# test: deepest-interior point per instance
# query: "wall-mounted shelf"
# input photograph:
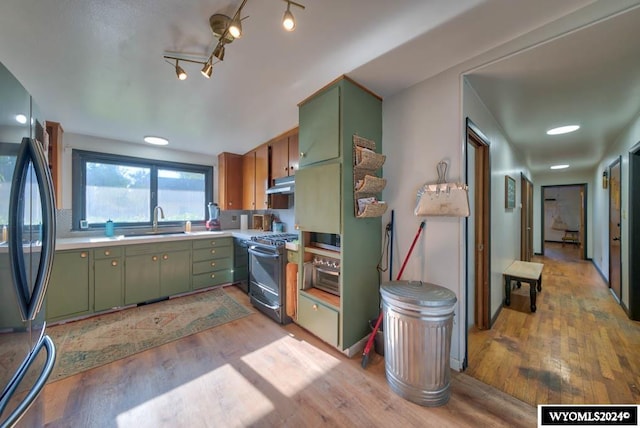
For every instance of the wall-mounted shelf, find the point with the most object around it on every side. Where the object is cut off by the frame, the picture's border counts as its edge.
(366, 183)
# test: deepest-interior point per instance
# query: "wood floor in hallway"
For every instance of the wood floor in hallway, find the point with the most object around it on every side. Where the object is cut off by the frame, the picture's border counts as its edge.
(578, 348)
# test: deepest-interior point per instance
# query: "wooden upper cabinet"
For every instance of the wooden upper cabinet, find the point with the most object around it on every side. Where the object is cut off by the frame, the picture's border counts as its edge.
(262, 177)
(249, 181)
(54, 155)
(230, 181)
(284, 155)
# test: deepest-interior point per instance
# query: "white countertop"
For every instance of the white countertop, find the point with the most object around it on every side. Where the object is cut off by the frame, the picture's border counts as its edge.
(104, 241)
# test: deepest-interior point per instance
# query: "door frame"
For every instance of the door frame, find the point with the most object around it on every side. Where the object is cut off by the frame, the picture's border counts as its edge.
(482, 222)
(633, 311)
(616, 162)
(585, 204)
(526, 233)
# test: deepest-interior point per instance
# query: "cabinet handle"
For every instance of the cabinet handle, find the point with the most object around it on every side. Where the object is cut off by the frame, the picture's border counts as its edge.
(84, 255)
(230, 203)
(213, 264)
(107, 253)
(213, 251)
(213, 275)
(314, 307)
(213, 243)
(285, 168)
(301, 154)
(165, 257)
(154, 258)
(291, 168)
(114, 263)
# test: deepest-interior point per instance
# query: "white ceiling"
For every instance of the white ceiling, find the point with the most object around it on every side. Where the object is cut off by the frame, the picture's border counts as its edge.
(97, 68)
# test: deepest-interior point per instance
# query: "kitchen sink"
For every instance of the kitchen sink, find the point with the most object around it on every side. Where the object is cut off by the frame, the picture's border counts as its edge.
(154, 233)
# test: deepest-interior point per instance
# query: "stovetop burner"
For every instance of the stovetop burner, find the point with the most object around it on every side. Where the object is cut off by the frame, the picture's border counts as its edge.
(275, 239)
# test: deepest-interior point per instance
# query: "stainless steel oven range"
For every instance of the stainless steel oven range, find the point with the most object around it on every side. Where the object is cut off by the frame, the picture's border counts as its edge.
(267, 282)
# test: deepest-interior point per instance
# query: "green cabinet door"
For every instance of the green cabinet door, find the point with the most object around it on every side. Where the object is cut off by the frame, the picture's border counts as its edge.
(318, 198)
(175, 272)
(142, 278)
(107, 284)
(69, 292)
(319, 137)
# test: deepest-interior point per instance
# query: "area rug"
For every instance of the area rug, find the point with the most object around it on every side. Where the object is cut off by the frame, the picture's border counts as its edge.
(92, 342)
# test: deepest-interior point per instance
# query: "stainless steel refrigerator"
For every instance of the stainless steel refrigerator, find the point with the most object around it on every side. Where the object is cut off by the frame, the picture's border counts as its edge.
(27, 219)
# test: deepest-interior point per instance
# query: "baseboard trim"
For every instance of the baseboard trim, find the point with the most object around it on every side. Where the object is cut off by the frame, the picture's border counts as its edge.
(604, 278)
(495, 317)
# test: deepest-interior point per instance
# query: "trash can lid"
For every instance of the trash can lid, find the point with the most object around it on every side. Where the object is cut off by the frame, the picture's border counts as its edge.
(419, 293)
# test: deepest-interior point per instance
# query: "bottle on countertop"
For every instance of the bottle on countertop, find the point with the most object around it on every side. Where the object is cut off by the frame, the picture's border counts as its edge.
(5, 233)
(108, 228)
(187, 226)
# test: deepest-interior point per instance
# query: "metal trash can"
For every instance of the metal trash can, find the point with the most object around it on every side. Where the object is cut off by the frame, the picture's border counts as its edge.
(418, 321)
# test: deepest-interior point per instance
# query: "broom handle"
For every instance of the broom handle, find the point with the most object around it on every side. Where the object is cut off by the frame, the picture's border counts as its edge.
(413, 244)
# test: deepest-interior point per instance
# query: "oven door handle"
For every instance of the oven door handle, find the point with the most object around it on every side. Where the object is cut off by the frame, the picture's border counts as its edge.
(327, 271)
(253, 250)
(266, 305)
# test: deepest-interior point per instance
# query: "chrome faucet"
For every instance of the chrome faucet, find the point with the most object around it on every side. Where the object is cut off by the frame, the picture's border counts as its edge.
(155, 217)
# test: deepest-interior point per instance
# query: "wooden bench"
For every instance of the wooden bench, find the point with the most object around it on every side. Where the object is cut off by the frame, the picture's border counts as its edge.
(571, 237)
(528, 272)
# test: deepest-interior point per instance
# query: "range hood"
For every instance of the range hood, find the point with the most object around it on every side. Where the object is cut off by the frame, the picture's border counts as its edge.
(282, 186)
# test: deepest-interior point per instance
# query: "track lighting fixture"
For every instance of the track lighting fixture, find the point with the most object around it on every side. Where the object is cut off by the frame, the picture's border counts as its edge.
(226, 29)
(288, 21)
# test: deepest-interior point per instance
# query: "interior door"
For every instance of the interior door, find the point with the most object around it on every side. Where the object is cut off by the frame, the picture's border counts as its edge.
(615, 263)
(478, 243)
(526, 219)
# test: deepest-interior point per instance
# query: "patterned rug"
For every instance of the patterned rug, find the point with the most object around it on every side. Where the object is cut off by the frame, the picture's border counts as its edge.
(92, 342)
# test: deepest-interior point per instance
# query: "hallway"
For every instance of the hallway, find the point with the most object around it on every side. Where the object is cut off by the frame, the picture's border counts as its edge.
(579, 347)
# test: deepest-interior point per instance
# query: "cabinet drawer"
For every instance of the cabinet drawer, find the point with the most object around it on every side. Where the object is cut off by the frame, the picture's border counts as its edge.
(212, 265)
(107, 253)
(215, 242)
(318, 319)
(212, 278)
(212, 253)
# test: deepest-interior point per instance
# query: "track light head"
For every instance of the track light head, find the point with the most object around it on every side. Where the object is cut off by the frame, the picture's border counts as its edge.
(235, 27)
(207, 69)
(182, 75)
(218, 52)
(288, 21)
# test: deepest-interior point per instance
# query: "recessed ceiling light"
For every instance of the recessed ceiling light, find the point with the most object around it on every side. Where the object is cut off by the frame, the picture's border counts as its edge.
(559, 166)
(563, 129)
(21, 118)
(158, 141)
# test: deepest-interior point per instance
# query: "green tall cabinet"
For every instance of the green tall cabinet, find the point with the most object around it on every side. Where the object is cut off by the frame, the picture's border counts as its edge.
(325, 202)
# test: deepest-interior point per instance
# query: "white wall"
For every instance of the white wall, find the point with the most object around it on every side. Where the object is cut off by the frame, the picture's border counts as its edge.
(505, 223)
(620, 147)
(96, 144)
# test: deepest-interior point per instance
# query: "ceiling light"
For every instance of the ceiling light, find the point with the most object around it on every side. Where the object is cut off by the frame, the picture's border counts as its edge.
(207, 70)
(288, 21)
(158, 141)
(560, 166)
(21, 118)
(180, 72)
(235, 28)
(563, 129)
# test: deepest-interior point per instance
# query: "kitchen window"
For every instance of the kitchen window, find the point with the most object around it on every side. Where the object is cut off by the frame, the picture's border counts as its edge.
(126, 190)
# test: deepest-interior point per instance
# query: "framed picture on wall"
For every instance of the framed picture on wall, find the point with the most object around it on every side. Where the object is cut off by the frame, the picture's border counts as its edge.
(509, 192)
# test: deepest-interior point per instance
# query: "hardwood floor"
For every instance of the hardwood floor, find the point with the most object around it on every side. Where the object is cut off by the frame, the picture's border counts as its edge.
(253, 372)
(579, 347)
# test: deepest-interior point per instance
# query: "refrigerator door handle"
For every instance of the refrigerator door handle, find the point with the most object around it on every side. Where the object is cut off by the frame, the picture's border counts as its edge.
(24, 405)
(30, 303)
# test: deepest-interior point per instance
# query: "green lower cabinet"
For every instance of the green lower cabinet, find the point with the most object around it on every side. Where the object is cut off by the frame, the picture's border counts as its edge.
(107, 284)
(319, 319)
(142, 278)
(175, 272)
(69, 293)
